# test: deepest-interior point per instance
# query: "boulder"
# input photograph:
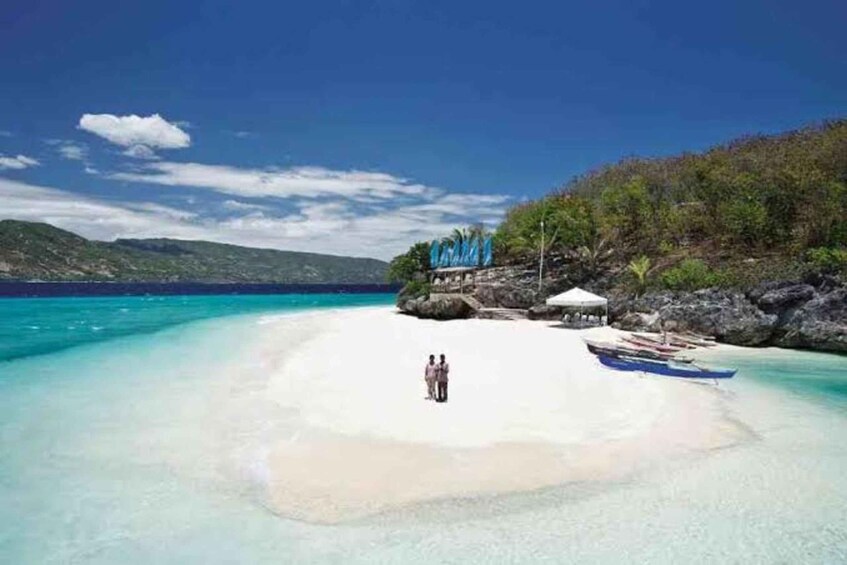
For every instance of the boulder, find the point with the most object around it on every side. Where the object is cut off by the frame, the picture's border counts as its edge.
(727, 315)
(544, 312)
(638, 322)
(496, 295)
(621, 304)
(437, 308)
(773, 301)
(819, 323)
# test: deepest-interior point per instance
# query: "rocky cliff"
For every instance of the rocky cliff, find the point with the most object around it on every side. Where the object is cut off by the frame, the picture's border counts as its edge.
(809, 314)
(784, 314)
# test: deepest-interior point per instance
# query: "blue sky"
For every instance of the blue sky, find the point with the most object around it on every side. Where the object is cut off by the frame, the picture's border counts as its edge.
(360, 127)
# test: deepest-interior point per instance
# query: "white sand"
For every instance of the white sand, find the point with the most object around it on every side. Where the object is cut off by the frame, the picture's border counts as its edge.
(529, 407)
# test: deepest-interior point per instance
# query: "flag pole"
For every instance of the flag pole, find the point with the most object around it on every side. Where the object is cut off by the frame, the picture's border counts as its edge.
(541, 262)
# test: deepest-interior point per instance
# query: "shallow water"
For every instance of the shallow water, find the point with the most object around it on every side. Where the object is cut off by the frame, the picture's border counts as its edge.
(140, 447)
(35, 326)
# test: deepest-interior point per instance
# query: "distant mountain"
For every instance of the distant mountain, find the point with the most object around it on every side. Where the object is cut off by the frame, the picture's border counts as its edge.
(37, 251)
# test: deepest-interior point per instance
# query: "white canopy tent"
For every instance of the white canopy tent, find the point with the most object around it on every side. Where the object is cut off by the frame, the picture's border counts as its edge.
(579, 299)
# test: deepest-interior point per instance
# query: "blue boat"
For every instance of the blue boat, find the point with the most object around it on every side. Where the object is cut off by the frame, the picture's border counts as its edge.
(668, 369)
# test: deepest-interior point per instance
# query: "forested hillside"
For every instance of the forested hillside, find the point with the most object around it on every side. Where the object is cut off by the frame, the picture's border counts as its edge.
(35, 251)
(754, 209)
(757, 207)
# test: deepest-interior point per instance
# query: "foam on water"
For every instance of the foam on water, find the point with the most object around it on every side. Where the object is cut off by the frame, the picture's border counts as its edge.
(149, 448)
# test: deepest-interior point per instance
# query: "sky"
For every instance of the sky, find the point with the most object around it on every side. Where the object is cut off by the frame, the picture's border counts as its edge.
(360, 127)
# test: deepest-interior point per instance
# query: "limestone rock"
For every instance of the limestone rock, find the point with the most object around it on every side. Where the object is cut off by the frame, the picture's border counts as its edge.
(437, 308)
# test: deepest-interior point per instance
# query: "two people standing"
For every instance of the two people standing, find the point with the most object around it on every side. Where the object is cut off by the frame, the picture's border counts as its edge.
(436, 376)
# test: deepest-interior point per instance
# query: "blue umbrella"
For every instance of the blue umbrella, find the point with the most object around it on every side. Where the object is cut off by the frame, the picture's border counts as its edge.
(433, 254)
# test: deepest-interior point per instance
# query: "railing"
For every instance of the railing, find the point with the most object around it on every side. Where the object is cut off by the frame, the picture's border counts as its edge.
(452, 283)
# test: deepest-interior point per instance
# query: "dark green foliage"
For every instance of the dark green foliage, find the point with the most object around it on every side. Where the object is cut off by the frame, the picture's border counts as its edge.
(761, 197)
(639, 269)
(783, 190)
(410, 265)
(569, 223)
(33, 251)
(827, 260)
(414, 289)
(692, 274)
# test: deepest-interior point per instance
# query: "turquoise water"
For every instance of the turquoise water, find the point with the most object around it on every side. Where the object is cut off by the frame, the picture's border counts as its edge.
(816, 376)
(35, 326)
(137, 443)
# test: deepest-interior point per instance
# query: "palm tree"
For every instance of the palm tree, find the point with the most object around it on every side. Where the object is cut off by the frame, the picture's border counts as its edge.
(592, 256)
(477, 231)
(459, 235)
(640, 268)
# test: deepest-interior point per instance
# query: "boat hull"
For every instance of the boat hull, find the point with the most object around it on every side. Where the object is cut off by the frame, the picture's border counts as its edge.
(663, 348)
(660, 368)
(617, 351)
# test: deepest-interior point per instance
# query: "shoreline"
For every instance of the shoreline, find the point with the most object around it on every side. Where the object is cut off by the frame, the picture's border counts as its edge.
(362, 448)
(194, 451)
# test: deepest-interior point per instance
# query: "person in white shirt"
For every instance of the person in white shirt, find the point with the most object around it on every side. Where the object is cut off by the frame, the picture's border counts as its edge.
(430, 376)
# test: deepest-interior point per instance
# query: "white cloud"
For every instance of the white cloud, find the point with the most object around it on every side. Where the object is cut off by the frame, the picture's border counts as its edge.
(17, 163)
(86, 216)
(139, 134)
(239, 206)
(140, 152)
(73, 151)
(331, 225)
(295, 181)
(5, 133)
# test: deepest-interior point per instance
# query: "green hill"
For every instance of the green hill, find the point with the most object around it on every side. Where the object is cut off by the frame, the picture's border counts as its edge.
(757, 208)
(760, 208)
(36, 251)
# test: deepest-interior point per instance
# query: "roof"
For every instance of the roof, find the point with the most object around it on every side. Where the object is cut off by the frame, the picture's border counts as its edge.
(577, 297)
(452, 269)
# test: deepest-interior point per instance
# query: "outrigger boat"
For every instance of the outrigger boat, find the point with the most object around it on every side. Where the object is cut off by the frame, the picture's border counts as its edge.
(666, 339)
(695, 340)
(620, 350)
(695, 335)
(666, 368)
(649, 344)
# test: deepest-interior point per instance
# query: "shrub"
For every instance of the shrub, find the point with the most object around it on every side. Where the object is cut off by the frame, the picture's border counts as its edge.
(692, 274)
(410, 265)
(639, 268)
(569, 222)
(414, 289)
(828, 260)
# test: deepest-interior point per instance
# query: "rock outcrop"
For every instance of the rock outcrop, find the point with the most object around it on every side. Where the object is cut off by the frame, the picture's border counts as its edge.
(729, 316)
(544, 312)
(796, 315)
(817, 323)
(436, 307)
(810, 314)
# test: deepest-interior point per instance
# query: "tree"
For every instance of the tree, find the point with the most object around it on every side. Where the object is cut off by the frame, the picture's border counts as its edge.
(569, 222)
(627, 211)
(411, 265)
(592, 256)
(640, 268)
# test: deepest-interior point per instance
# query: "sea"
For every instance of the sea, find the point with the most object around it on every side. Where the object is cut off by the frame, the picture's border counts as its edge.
(119, 434)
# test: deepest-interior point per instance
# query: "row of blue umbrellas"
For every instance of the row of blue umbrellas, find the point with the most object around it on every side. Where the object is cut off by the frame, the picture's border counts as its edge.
(464, 253)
